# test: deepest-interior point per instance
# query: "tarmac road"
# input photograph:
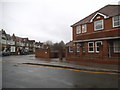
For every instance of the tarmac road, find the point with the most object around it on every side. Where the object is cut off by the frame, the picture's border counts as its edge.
(30, 76)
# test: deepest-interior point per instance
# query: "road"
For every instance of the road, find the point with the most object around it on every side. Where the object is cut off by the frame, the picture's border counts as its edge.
(28, 76)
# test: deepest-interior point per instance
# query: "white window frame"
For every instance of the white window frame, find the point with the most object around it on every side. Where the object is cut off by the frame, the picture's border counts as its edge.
(89, 47)
(78, 29)
(96, 23)
(97, 46)
(113, 21)
(12, 49)
(70, 49)
(115, 47)
(85, 28)
(98, 13)
(78, 47)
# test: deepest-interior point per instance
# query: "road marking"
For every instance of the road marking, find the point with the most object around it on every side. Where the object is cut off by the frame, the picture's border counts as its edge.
(76, 70)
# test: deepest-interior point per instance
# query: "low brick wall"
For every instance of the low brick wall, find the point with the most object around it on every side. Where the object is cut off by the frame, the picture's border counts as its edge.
(96, 60)
(42, 53)
(54, 54)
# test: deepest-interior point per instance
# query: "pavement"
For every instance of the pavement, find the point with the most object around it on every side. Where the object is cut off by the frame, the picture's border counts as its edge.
(89, 66)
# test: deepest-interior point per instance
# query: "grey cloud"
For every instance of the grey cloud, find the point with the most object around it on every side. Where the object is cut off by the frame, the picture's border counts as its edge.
(44, 20)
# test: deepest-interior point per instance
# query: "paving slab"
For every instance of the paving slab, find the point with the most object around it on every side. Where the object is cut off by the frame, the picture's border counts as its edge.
(99, 67)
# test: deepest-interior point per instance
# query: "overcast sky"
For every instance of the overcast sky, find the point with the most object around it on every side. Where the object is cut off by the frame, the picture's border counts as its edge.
(44, 20)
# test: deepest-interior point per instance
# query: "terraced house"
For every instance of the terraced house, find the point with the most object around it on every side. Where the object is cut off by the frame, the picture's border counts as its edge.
(15, 44)
(6, 41)
(96, 38)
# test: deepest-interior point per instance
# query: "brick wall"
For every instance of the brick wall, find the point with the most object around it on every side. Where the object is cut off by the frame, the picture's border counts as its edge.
(99, 34)
(101, 57)
(42, 53)
(46, 53)
(109, 31)
(96, 60)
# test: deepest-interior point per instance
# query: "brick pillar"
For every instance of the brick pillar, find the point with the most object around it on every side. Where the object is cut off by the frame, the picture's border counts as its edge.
(74, 51)
(66, 52)
(81, 51)
(49, 52)
(84, 49)
(101, 52)
(105, 49)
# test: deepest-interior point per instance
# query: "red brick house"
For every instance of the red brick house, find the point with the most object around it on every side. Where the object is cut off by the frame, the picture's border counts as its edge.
(38, 45)
(96, 38)
(7, 42)
(19, 45)
(23, 44)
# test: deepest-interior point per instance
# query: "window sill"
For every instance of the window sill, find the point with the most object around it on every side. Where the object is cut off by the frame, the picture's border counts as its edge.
(98, 29)
(116, 52)
(116, 26)
(90, 51)
(70, 51)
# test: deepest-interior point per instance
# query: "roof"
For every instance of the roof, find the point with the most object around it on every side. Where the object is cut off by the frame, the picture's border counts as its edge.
(108, 10)
(3, 31)
(31, 40)
(8, 37)
(69, 43)
(38, 43)
(16, 38)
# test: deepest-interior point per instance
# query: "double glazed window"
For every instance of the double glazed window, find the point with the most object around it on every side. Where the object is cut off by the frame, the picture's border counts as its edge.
(84, 29)
(81, 29)
(70, 49)
(116, 46)
(78, 29)
(91, 47)
(78, 47)
(98, 25)
(98, 44)
(116, 21)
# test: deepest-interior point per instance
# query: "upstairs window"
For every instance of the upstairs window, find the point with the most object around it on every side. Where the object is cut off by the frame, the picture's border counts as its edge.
(98, 25)
(78, 29)
(84, 29)
(91, 47)
(116, 21)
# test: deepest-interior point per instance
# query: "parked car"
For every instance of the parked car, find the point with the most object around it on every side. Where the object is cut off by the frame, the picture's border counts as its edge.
(24, 52)
(5, 53)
